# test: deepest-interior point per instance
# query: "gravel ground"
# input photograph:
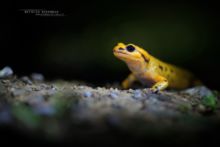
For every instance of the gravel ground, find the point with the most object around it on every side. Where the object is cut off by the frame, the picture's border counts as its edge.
(72, 112)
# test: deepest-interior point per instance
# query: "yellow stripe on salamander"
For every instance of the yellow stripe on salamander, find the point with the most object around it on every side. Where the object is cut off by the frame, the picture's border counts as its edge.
(151, 71)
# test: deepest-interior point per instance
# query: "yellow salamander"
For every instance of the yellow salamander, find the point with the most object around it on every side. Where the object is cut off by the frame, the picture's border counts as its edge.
(151, 71)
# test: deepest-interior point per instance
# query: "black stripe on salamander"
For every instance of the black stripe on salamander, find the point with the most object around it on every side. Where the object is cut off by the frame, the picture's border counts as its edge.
(145, 59)
(161, 67)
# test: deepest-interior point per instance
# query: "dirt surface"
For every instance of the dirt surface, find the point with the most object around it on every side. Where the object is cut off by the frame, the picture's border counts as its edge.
(73, 112)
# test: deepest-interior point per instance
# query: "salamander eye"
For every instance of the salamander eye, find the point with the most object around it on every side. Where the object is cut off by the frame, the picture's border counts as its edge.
(130, 48)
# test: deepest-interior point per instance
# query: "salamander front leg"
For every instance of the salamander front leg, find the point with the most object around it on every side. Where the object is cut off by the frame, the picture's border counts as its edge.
(160, 85)
(128, 81)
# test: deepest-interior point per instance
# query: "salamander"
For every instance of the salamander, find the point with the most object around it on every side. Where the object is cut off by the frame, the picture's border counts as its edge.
(150, 71)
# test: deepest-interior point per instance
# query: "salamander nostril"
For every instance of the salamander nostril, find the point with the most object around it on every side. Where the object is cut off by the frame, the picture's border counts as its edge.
(121, 49)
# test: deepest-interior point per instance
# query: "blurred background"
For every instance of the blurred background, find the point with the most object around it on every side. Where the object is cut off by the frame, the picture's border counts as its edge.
(77, 44)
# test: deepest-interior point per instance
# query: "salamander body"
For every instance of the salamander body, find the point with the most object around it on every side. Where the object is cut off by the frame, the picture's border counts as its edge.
(151, 71)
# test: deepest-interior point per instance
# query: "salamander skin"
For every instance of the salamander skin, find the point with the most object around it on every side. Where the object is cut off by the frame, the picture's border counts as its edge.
(151, 71)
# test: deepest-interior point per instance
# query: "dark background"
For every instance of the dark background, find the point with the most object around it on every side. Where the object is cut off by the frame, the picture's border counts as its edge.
(78, 45)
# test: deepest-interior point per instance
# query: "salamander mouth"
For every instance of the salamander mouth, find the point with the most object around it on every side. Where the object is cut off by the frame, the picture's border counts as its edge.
(119, 52)
(124, 56)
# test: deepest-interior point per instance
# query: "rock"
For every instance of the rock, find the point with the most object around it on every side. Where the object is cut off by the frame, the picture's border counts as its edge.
(87, 94)
(130, 90)
(26, 80)
(113, 95)
(37, 77)
(6, 72)
(84, 109)
(200, 91)
(137, 94)
(52, 91)
(17, 92)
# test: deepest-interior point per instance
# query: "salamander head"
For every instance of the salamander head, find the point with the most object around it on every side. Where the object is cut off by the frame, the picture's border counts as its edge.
(131, 53)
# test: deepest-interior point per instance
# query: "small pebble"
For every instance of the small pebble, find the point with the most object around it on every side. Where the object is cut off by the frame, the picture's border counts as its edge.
(81, 87)
(99, 88)
(6, 72)
(26, 80)
(152, 101)
(17, 92)
(146, 90)
(5, 81)
(87, 94)
(36, 89)
(54, 88)
(113, 95)
(111, 89)
(37, 77)
(45, 86)
(201, 108)
(52, 91)
(137, 94)
(74, 87)
(130, 90)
